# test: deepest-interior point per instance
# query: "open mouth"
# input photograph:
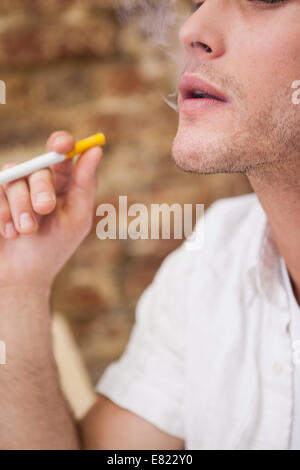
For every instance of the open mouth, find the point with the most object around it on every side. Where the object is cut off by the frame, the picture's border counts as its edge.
(200, 95)
(192, 87)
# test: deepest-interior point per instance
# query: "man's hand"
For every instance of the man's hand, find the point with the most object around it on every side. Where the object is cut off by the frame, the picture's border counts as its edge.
(43, 218)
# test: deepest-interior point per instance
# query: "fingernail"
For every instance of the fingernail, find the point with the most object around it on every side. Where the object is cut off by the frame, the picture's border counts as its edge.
(10, 230)
(60, 140)
(26, 221)
(41, 198)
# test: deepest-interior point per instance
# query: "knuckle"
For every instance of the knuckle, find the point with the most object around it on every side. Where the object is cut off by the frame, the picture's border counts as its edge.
(20, 202)
(19, 197)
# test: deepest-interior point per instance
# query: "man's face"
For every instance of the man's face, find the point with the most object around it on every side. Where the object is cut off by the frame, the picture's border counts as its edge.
(249, 50)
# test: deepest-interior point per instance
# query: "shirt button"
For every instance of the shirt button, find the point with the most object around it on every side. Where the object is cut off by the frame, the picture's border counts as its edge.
(277, 368)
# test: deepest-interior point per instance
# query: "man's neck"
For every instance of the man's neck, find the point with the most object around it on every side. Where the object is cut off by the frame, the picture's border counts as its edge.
(279, 195)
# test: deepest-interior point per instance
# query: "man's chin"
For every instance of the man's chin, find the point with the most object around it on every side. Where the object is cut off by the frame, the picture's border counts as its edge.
(209, 157)
(195, 156)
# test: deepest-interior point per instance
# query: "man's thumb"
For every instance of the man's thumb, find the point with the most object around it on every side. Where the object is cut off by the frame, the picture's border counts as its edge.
(81, 194)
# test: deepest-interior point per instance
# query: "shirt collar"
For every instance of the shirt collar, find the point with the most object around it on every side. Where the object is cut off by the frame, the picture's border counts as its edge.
(265, 267)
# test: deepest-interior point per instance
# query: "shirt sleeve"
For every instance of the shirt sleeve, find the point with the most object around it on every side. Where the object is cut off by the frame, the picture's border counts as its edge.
(148, 380)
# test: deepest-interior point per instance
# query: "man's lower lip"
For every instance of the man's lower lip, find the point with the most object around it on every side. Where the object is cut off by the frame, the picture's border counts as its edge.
(196, 106)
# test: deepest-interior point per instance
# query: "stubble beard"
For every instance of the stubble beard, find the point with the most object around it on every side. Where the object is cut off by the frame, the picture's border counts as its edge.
(264, 144)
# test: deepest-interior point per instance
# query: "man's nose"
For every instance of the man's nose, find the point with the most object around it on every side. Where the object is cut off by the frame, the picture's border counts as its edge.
(203, 33)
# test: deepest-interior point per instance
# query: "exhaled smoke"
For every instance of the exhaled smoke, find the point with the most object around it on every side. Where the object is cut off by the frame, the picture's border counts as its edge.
(171, 101)
(159, 21)
(156, 17)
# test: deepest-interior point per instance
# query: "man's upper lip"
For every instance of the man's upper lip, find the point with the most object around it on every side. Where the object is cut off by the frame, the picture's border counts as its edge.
(188, 83)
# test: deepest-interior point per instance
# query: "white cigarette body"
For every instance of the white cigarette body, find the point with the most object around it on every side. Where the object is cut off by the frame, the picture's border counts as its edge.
(26, 168)
(50, 158)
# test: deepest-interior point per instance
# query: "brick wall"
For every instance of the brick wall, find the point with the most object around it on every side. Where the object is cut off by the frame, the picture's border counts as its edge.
(68, 64)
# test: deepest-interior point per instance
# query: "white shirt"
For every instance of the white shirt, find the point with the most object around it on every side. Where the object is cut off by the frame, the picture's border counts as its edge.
(211, 359)
(295, 335)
